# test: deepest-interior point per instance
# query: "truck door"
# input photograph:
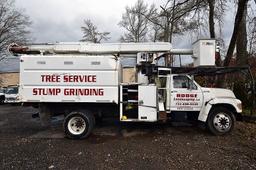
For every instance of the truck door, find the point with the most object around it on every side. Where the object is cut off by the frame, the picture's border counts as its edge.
(185, 94)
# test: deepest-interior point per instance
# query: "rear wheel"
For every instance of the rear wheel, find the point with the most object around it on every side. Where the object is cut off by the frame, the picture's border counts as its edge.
(78, 124)
(220, 121)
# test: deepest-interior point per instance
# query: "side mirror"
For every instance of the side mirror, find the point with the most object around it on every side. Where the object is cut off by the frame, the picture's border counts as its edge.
(192, 77)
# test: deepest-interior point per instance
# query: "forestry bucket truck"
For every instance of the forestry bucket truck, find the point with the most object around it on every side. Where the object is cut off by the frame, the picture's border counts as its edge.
(84, 80)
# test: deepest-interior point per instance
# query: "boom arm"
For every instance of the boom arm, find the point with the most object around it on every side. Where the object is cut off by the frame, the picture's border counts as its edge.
(91, 48)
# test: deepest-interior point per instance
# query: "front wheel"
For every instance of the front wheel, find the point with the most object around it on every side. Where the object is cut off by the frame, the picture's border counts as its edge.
(78, 124)
(220, 121)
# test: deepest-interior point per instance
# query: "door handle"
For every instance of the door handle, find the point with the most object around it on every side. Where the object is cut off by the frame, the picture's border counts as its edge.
(174, 91)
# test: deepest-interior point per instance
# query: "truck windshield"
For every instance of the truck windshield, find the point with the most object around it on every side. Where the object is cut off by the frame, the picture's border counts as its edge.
(12, 90)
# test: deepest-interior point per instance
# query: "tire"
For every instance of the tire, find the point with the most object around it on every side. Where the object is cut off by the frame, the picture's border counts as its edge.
(78, 124)
(221, 121)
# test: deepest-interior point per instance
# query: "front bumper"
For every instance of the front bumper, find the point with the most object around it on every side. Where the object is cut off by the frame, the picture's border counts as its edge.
(11, 100)
(239, 107)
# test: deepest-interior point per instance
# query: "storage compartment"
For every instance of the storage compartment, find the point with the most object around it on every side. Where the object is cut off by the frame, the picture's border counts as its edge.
(129, 102)
(138, 103)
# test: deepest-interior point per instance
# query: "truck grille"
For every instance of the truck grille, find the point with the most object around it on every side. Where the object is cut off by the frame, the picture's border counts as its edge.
(11, 99)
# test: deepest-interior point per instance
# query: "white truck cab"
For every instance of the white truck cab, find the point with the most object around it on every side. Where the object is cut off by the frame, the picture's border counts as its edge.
(216, 106)
(84, 81)
(180, 100)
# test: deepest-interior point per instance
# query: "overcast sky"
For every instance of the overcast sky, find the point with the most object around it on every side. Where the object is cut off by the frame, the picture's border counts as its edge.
(60, 20)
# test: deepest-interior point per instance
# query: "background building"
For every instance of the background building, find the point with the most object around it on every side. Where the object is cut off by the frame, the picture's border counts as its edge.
(9, 78)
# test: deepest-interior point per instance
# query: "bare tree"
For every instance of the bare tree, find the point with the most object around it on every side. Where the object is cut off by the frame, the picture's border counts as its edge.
(135, 23)
(251, 23)
(155, 32)
(211, 4)
(216, 12)
(241, 43)
(238, 19)
(174, 17)
(252, 36)
(92, 34)
(14, 26)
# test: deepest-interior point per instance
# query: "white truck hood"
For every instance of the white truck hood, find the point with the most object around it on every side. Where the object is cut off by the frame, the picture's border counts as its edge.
(219, 92)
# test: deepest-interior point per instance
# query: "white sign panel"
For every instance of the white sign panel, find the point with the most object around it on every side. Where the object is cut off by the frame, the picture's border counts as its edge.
(62, 78)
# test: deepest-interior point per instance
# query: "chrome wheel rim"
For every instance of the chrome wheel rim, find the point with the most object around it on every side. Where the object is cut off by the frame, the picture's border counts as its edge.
(76, 125)
(222, 122)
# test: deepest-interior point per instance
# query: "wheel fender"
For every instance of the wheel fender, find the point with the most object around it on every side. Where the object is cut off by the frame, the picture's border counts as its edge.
(203, 115)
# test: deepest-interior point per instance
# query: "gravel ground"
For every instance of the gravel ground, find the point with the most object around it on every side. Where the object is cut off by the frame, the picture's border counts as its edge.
(24, 144)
